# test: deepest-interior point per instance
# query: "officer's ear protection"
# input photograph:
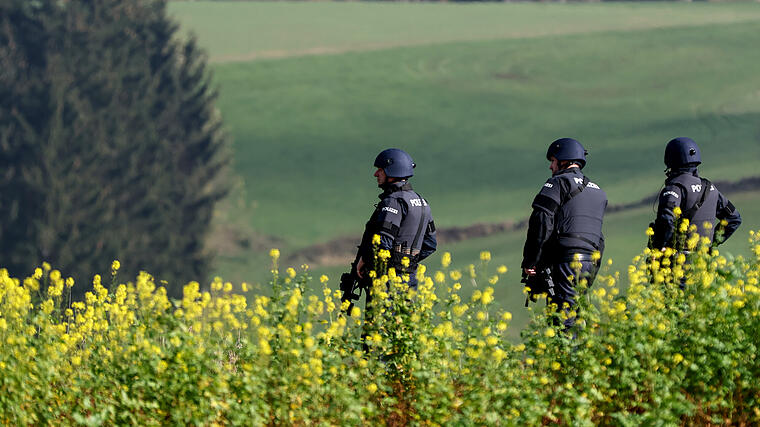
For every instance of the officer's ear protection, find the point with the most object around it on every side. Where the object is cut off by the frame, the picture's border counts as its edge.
(692, 151)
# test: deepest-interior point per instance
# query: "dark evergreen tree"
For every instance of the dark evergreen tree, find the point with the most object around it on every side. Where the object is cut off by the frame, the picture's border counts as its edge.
(113, 139)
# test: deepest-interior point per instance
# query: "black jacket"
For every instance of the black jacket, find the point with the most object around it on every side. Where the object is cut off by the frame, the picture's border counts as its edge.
(567, 219)
(404, 222)
(683, 188)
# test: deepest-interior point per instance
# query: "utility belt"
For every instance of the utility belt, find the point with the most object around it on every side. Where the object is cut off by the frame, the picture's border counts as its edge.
(399, 253)
(570, 257)
(404, 251)
(570, 254)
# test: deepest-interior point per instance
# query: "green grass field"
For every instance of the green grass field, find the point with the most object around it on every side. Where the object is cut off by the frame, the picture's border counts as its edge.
(475, 93)
(240, 31)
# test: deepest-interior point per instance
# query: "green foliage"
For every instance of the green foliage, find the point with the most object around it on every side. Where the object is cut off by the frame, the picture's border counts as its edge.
(109, 135)
(127, 354)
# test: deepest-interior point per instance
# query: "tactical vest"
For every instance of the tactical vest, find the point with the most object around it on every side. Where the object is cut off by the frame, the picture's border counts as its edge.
(578, 221)
(411, 231)
(693, 207)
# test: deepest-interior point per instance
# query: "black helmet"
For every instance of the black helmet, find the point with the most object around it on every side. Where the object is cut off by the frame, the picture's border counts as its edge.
(567, 149)
(395, 163)
(681, 152)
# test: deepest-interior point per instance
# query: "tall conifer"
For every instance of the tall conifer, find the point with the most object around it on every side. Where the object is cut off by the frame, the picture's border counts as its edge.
(112, 136)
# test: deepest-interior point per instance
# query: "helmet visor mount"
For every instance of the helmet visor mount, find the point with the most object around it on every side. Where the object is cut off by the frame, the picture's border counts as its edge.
(395, 163)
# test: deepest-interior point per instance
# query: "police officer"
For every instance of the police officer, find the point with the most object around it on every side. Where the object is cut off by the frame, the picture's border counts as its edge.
(402, 219)
(700, 202)
(565, 226)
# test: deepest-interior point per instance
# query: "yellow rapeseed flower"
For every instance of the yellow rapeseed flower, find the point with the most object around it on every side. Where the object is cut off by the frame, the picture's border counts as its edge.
(115, 265)
(439, 277)
(459, 310)
(502, 269)
(446, 260)
(376, 239)
(274, 254)
(487, 296)
(485, 256)
(550, 332)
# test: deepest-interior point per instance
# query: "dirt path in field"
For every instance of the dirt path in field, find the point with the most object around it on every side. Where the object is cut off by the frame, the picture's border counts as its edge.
(339, 251)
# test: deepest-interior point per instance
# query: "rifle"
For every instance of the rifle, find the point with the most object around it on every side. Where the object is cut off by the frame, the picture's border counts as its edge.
(351, 286)
(539, 283)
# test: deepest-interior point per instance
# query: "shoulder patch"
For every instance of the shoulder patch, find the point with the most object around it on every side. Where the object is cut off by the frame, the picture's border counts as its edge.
(548, 185)
(671, 193)
(592, 185)
(390, 209)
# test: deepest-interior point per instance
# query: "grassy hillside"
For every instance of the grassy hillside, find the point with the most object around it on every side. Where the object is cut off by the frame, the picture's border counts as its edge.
(239, 31)
(477, 118)
(476, 104)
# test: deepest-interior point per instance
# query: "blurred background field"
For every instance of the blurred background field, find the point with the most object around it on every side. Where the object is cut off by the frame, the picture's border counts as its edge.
(310, 92)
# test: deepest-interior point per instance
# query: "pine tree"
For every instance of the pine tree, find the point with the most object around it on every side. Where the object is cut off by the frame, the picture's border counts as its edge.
(128, 159)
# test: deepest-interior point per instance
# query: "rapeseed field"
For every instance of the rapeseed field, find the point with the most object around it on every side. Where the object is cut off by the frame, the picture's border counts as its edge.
(657, 353)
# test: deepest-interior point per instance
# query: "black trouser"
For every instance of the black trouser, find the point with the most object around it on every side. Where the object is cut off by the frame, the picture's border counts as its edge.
(564, 288)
